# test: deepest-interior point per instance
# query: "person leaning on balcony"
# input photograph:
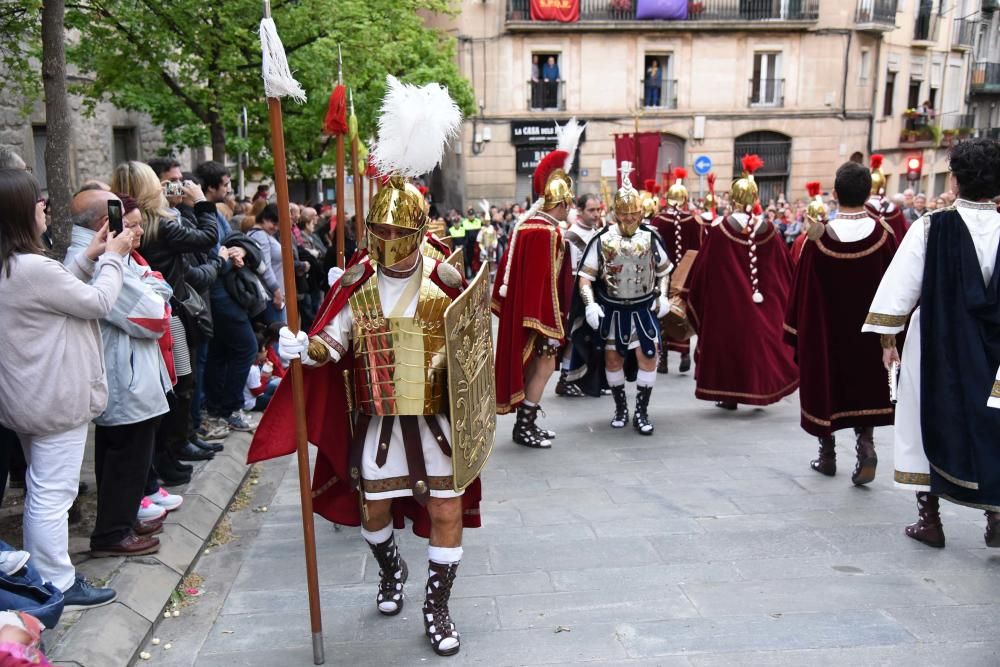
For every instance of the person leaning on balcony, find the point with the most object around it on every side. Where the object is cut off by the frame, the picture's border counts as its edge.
(550, 78)
(654, 83)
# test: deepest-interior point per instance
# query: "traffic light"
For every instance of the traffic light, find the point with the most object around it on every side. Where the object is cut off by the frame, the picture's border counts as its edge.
(914, 167)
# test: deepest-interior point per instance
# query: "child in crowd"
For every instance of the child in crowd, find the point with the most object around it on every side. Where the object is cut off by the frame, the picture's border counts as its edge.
(261, 381)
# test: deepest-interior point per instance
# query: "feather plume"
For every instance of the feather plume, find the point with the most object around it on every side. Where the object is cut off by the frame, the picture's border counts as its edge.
(813, 188)
(680, 173)
(415, 125)
(554, 160)
(751, 163)
(485, 206)
(567, 140)
(656, 188)
(757, 210)
(648, 184)
(278, 79)
(336, 112)
(711, 181)
(877, 159)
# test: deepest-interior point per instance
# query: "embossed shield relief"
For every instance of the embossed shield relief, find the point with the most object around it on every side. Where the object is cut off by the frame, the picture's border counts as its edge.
(471, 386)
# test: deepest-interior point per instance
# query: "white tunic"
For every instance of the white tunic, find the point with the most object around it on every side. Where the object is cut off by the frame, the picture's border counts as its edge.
(585, 233)
(849, 230)
(896, 298)
(395, 469)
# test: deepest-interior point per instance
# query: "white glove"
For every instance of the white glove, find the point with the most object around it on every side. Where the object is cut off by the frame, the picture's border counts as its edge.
(293, 346)
(662, 307)
(334, 275)
(594, 313)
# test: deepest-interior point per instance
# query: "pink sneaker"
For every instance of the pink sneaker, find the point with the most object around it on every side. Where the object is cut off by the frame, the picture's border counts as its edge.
(167, 501)
(149, 511)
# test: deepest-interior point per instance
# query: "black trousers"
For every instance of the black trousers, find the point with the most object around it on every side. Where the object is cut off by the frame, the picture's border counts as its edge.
(175, 427)
(10, 447)
(122, 455)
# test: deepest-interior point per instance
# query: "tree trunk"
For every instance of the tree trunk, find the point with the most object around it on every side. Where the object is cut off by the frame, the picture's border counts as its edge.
(59, 127)
(218, 137)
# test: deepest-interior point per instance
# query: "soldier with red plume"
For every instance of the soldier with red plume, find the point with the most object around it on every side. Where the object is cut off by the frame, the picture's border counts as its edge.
(881, 207)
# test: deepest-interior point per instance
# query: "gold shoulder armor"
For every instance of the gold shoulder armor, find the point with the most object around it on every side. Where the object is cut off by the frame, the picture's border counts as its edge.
(352, 275)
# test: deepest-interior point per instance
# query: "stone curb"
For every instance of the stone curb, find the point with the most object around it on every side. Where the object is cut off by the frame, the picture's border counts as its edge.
(112, 635)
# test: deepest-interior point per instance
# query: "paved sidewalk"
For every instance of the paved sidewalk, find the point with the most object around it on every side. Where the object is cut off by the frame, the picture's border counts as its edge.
(710, 543)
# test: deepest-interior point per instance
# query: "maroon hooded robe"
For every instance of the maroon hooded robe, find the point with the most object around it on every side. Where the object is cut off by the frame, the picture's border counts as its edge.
(667, 224)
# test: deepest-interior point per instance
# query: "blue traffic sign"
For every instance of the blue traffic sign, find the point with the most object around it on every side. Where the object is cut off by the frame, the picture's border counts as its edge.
(702, 165)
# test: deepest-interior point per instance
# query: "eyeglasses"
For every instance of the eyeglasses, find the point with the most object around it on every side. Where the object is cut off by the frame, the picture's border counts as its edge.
(45, 202)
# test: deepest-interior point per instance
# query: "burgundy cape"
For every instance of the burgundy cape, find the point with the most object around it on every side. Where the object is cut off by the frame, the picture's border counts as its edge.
(666, 224)
(843, 382)
(328, 427)
(533, 305)
(740, 357)
(891, 216)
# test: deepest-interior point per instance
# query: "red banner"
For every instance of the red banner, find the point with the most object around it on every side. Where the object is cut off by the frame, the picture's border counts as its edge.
(566, 11)
(643, 151)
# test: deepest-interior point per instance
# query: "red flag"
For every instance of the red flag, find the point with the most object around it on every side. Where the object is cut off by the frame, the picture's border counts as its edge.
(336, 114)
(566, 11)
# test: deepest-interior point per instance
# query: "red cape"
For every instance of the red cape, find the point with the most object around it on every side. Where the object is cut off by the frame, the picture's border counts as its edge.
(533, 304)
(691, 235)
(893, 218)
(328, 427)
(843, 383)
(740, 356)
(797, 246)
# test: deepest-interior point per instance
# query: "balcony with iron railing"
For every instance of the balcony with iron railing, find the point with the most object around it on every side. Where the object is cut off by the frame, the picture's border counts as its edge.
(706, 14)
(927, 129)
(963, 35)
(876, 15)
(925, 29)
(767, 93)
(985, 78)
(546, 95)
(661, 96)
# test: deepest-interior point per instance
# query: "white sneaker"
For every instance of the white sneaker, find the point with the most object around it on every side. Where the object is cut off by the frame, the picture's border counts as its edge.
(168, 501)
(148, 511)
(11, 562)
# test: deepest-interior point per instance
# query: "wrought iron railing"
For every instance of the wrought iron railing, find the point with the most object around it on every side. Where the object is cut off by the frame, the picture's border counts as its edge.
(767, 93)
(881, 12)
(546, 95)
(662, 96)
(696, 10)
(986, 77)
(964, 33)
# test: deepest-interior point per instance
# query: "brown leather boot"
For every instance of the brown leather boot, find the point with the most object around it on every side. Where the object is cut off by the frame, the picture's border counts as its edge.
(864, 469)
(661, 364)
(685, 363)
(992, 535)
(928, 528)
(826, 463)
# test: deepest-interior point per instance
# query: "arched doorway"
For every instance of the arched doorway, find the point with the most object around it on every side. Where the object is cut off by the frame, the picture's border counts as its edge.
(775, 149)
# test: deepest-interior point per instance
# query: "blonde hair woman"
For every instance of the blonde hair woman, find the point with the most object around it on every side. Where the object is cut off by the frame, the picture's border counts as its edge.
(139, 181)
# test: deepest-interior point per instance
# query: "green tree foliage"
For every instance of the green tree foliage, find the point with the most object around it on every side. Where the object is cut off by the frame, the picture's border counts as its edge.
(21, 49)
(192, 65)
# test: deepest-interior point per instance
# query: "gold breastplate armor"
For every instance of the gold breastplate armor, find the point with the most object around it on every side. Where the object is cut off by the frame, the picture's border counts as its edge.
(401, 366)
(628, 264)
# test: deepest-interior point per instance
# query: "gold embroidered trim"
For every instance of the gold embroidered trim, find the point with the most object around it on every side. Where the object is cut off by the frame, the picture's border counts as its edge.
(791, 330)
(848, 413)
(956, 481)
(403, 483)
(988, 508)
(767, 237)
(326, 487)
(913, 478)
(736, 394)
(852, 255)
(884, 320)
(334, 345)
(996, 390)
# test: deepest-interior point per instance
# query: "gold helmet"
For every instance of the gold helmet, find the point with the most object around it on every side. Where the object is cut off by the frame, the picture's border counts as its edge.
(744, 191)
(878, 177)
(558, 189)
(551, 181)
(396, 222)
(397, 219)
(627, 199)
(816, 211)
(677, 194)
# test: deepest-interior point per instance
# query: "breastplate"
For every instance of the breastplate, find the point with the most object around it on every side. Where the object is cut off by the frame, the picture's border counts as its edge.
(400, 362)
(628, 266)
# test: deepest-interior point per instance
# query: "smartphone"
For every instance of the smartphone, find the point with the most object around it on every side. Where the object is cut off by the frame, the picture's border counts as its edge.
(115, 217)
(173, 189)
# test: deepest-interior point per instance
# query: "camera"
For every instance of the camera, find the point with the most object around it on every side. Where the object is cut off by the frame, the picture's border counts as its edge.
(173, 189)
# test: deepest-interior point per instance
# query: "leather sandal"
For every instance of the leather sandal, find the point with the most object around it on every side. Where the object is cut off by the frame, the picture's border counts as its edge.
(864, 469)
(928, 528)
(826, 462)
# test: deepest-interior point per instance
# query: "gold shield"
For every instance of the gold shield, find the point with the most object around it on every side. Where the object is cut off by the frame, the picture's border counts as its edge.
(471, 388)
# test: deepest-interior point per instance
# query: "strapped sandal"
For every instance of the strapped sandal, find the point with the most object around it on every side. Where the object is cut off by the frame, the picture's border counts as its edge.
(640, 422)
(438, 626)
(928, 528)
(620, 418)
(525, 431)
(392, 575)
(826, 463)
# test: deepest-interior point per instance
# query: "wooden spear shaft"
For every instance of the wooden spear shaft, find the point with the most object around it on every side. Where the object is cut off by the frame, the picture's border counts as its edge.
(340, 200)
(359, 192)
(298, 392)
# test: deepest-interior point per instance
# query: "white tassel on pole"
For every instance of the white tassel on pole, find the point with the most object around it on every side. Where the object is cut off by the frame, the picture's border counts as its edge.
(278, 79)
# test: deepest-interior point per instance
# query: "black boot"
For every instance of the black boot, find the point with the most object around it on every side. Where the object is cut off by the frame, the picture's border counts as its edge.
(661, 364)
(525, 431)
(928, 528)
(566, 388)
(392, 575)
(621, 407)
(685, 363)
(641, 421)
(864, 469)
(438, 626)
(826, 463)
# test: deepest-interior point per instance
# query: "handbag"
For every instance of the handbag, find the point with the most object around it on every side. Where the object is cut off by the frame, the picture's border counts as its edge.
(196, 312)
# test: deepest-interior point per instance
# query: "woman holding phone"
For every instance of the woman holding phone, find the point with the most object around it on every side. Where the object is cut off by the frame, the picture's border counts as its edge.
(50, 318)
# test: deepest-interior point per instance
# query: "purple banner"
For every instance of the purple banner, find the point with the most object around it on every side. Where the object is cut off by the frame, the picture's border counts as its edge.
(662, 10)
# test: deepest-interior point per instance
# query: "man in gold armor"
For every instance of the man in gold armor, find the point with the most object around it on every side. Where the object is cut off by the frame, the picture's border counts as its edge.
(383, 328)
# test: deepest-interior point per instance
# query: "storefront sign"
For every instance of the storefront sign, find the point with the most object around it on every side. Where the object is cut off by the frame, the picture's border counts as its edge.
(525, 132)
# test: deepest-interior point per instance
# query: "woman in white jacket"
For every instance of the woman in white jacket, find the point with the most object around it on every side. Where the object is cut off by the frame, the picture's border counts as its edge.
(52, 380)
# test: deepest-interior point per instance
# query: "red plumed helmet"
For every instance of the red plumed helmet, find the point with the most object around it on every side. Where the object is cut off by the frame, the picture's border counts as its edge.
(554, 160)
(711, 180)
(877, 160)
(649, 184)
(680, 173)
(751, 163)
(656, 189)
(422, 189)
(757, 210)
(813, 188)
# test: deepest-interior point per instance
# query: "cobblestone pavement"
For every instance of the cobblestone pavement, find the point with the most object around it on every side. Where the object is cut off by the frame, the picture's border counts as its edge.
(710, 543)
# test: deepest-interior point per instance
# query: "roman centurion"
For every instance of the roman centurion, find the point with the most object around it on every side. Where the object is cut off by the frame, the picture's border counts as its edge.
(398, 377)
